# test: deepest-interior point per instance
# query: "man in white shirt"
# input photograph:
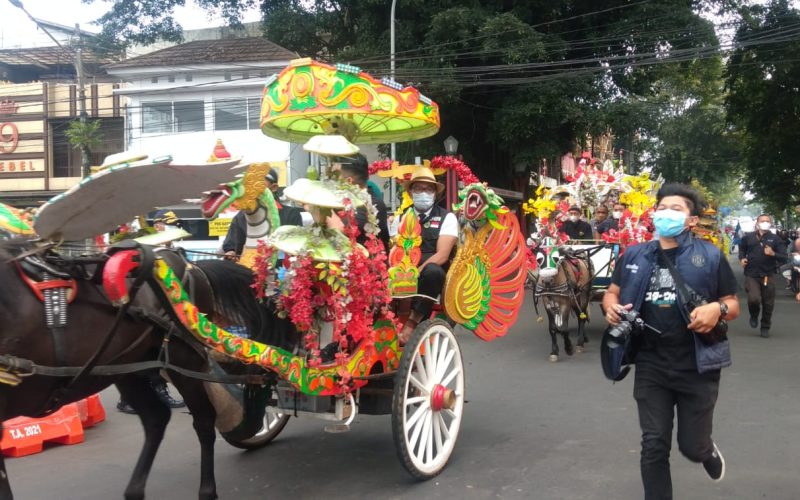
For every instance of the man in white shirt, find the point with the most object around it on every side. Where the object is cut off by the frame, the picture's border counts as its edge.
(439, 237)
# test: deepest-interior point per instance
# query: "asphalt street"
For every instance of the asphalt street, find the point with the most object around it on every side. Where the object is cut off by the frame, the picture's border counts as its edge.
(531, 429)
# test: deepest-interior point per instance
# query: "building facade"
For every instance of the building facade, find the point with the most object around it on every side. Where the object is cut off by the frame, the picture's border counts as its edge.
(39, 97)
(181, 99)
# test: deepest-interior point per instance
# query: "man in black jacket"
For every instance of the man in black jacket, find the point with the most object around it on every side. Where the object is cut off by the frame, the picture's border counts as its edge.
(575, 228)
(760, 253)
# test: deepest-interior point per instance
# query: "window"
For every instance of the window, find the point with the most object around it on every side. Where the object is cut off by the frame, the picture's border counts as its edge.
(189, 116)
(171, 78)
(230, 114)
(67, 160)
(154, 79)
(157, 117)
(169, 117)
(254, 112)
(237, 114)
(188, 77)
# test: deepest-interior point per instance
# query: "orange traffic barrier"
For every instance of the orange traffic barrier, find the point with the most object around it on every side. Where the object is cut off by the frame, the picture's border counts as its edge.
(91, 411)
(26, 436)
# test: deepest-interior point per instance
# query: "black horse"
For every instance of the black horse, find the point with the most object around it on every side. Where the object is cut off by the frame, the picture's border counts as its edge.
(141, 334)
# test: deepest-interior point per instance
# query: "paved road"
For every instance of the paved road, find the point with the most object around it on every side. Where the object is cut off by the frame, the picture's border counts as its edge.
(532, 429)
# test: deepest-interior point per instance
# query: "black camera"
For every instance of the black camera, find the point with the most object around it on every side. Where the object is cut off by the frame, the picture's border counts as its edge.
(630, 322)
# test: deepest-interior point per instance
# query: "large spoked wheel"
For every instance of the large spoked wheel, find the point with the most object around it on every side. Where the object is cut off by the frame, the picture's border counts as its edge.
(428, 400)
(274, 423)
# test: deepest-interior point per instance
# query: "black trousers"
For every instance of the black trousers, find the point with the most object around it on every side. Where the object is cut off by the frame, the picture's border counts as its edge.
(658, 391)
(761, 297)
(430, 283)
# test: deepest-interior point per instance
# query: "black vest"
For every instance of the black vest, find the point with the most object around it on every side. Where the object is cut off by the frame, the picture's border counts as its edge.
(431, 226)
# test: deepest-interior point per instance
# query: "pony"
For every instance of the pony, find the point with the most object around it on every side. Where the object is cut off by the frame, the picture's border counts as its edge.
(563, 283)
(97, 331)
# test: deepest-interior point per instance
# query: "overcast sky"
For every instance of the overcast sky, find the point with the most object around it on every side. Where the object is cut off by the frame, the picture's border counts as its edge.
(17, 30)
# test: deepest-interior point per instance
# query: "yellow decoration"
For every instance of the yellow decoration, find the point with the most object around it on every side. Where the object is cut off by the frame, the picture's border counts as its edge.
(254, 183)
(641, 196)
(542, 206)
(404, 257)
(464, 293)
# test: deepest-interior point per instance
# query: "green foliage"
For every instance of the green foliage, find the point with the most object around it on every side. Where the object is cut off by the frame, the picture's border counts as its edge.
(516, 81)
(80, 134)
(764, 102)
(698, 144)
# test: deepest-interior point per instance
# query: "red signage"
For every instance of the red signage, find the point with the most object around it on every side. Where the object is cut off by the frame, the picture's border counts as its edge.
(9, 137)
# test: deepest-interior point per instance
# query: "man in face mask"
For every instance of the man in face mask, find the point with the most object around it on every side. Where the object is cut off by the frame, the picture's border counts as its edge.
(760, 253)
(679, 366)
(613, 222)
(439, 236)
(600, 215)
(574, 227)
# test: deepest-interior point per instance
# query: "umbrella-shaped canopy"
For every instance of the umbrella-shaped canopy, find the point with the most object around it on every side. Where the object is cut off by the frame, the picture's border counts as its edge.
(310, 98)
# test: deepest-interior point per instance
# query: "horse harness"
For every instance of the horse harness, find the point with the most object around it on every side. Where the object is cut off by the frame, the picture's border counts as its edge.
(56, 288)
(568, 289)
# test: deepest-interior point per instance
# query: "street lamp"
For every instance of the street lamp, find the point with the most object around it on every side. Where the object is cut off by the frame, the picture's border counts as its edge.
(451, 146)
(451, 180)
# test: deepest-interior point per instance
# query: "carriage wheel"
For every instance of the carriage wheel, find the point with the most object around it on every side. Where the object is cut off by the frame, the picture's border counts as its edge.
(274, 423)
(428, 400)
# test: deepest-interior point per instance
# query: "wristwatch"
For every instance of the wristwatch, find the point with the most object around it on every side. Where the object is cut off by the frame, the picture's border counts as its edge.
(723, 310)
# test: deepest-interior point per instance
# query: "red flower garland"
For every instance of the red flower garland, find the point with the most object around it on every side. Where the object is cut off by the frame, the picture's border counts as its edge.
(463, 172)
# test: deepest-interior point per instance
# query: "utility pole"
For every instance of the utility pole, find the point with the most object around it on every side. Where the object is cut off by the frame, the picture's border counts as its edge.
(78, 62)
(82, 116)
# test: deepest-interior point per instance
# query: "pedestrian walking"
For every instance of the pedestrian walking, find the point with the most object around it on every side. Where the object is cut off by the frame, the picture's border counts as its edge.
(682, 287)
(761, 253)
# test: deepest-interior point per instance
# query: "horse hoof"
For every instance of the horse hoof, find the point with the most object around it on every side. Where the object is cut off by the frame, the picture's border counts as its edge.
(553, 358)
(579, 349)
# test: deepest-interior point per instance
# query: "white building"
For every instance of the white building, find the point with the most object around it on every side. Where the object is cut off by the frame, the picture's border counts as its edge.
(183, 98)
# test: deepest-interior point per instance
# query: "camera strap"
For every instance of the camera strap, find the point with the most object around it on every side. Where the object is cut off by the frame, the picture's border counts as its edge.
(690, 298)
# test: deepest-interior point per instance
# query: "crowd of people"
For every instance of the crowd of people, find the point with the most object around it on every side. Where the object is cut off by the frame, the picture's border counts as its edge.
(680, 285)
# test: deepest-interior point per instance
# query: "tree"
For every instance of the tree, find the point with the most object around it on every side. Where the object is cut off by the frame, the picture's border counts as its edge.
(516, 81)
(763, 82)
(84, 136)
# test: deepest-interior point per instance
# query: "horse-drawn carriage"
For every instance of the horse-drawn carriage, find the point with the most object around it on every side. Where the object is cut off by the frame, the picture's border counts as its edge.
(318, 287)
(567, 275)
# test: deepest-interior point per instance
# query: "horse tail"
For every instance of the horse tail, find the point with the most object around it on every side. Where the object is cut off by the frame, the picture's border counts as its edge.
(235, 301)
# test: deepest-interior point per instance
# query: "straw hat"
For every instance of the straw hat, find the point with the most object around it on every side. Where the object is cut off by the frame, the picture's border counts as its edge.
(423, 174)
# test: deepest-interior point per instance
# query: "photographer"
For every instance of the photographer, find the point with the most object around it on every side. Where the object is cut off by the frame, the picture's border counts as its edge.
(681, 365)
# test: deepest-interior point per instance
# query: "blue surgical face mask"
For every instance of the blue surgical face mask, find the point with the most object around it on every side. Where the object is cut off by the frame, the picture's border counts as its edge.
(423, 201)
(669, 223)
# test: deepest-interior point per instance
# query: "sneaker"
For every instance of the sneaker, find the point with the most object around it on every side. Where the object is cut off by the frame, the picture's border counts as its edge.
(753, 322)
(765, 333)
(715, 465)
(124, 407)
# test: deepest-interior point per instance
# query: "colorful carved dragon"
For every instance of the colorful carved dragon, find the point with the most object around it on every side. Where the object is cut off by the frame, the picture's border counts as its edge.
(485, 284)
(251, 195)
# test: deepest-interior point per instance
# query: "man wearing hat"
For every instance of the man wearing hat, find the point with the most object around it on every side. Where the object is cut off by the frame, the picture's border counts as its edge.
(165, 219)
(439, 237)
(574, 227)
(237, 232)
